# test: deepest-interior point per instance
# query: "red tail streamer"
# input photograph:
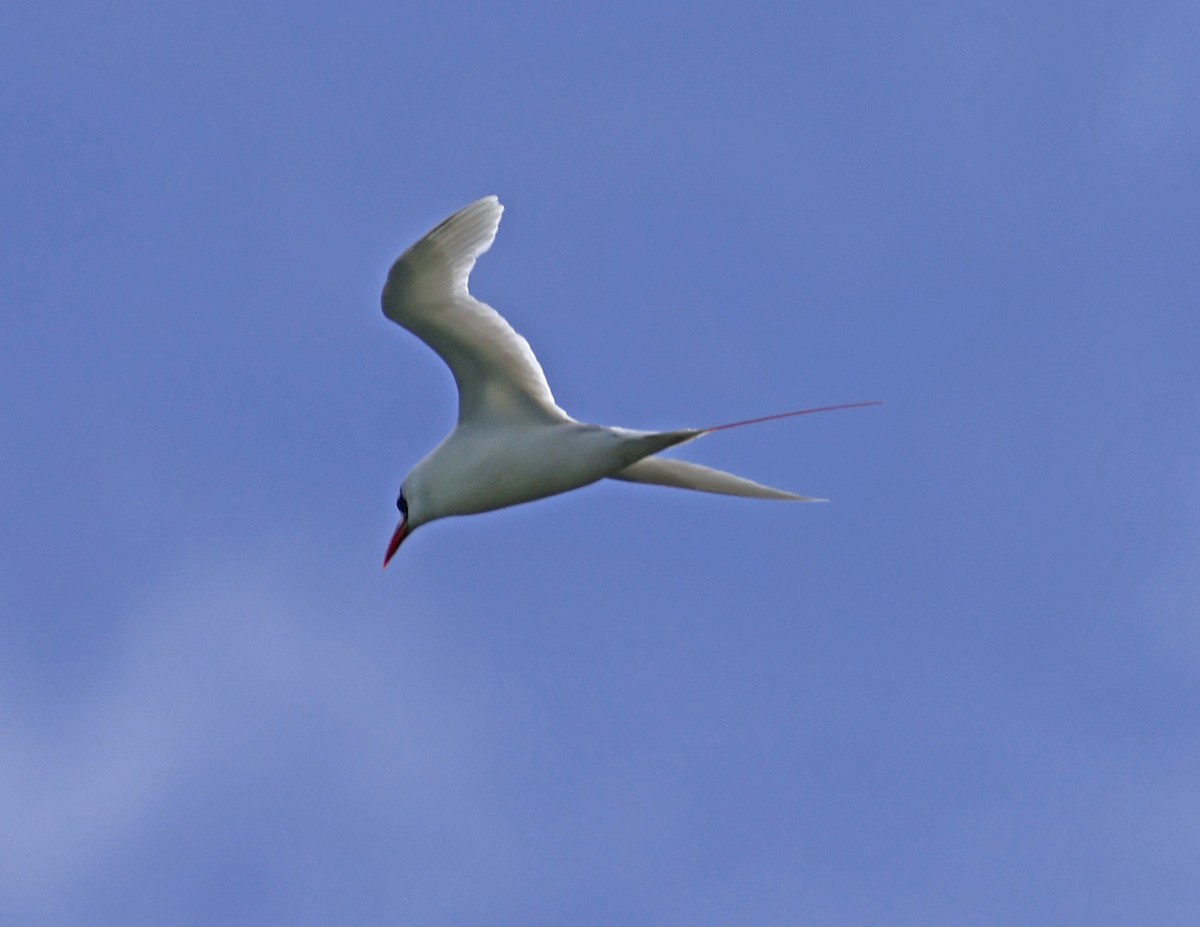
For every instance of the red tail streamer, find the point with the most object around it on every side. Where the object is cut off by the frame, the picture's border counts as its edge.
(771, 418)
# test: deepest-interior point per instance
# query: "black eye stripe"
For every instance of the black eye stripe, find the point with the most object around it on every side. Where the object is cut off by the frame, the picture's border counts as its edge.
(402, 505)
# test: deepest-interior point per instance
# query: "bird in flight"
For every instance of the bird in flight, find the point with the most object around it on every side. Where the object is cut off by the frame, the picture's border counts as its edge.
(512, 442)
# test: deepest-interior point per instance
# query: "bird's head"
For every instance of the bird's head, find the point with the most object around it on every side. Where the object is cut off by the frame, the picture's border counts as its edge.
(410, 517)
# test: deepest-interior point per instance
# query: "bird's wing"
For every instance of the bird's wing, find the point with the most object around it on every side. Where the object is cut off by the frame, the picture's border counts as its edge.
(497, 374)
(663, 471)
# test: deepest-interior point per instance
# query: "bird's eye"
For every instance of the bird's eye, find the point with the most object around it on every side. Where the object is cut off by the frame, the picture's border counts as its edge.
(402, 505)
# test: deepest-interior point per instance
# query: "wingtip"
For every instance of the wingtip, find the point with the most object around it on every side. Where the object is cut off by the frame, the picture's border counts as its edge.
(490, 202)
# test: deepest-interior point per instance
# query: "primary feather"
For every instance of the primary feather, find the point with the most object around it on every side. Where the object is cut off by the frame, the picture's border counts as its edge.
(498, 376)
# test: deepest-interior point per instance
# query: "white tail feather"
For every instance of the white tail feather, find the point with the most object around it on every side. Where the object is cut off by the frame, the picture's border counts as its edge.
(684, 475)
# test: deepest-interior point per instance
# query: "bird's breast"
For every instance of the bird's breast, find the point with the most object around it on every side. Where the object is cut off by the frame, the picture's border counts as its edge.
(480, 469)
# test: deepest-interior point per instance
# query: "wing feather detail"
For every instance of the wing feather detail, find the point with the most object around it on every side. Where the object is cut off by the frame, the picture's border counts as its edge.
(498, 376)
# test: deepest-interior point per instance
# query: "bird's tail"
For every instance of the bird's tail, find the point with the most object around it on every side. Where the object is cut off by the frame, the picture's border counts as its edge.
(664, 472)
(779, 415)
(683, 475)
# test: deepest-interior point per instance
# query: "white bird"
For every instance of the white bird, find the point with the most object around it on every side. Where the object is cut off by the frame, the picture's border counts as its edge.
(513, 443)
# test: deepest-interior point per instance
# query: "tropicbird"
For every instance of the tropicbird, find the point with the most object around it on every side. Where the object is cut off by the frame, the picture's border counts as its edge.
(512, 442)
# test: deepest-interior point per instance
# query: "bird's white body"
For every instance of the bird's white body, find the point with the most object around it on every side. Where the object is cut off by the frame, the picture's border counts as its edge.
(512, 443)
(485, 466)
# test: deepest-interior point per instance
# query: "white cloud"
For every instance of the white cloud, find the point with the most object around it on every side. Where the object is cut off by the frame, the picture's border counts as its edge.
(241, 679)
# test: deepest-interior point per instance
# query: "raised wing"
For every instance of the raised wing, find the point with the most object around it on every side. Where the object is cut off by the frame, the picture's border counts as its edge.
(497, 374)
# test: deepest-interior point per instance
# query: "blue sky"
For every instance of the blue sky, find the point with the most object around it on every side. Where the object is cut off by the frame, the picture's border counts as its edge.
(965, 692)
